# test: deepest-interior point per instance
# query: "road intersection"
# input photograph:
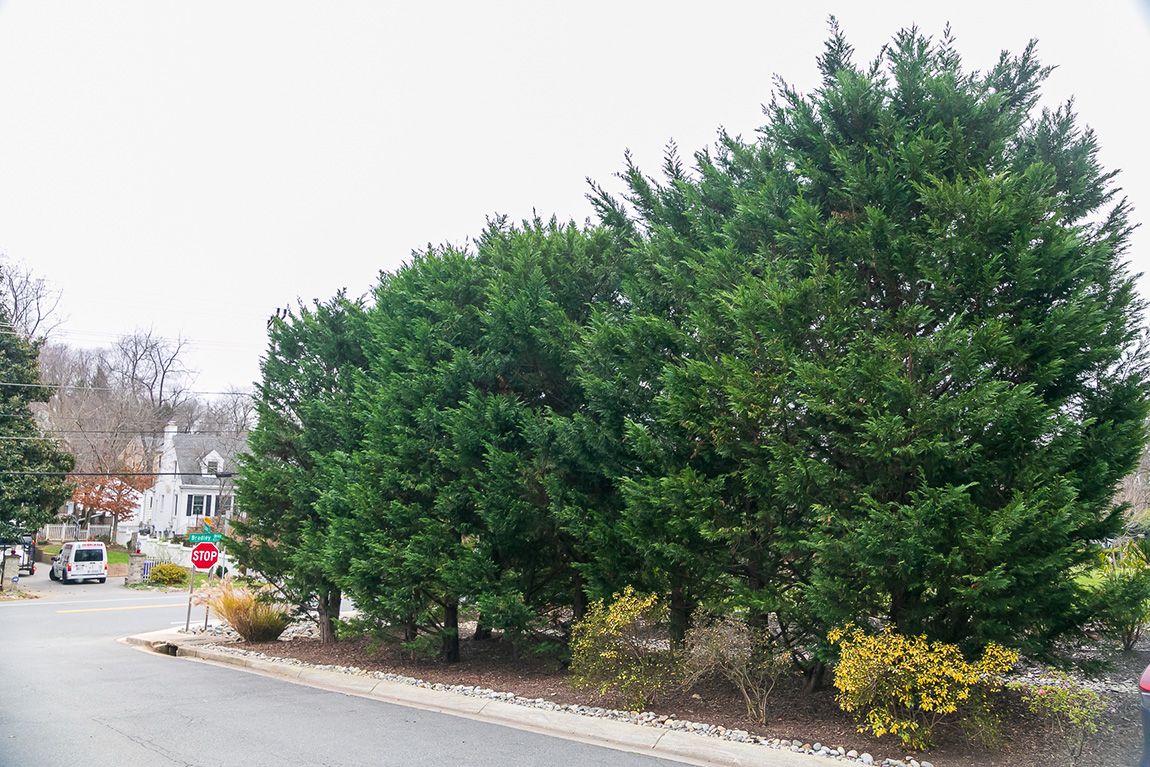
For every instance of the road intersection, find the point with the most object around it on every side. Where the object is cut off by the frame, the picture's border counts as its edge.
(74, 692)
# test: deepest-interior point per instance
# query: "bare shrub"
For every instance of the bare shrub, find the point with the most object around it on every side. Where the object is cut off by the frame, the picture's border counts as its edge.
(742, 654)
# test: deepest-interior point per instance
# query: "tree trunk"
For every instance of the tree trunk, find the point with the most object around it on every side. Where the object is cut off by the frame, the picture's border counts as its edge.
(579, 599)
(329, 602)
(680, 614)
(814, 677)
(451, 631)
(410, 629)
(482, 631)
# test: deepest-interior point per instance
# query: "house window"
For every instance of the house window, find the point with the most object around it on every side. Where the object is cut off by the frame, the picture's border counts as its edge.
(213, 467)
(196, 505)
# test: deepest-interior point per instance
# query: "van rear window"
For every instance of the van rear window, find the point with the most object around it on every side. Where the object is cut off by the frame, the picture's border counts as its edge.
(88, 555)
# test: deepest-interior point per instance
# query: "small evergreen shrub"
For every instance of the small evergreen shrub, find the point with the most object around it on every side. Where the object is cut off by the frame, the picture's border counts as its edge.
(168, 574)
(357, 628)
(613, 649)
(255, 616)
(743, 655)
(423, 646)
(1071, 709)
(905, 686)
(1123, 597)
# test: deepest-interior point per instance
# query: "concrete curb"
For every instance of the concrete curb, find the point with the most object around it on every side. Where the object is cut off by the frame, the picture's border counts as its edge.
(623, 736)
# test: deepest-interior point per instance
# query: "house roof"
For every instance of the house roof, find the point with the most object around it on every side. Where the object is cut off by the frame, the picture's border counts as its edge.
(191, 449)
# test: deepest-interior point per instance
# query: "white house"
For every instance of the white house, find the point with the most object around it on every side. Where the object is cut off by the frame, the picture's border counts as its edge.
(195, 483)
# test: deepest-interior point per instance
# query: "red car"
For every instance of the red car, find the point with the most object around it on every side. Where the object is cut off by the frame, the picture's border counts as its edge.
(1144, 687)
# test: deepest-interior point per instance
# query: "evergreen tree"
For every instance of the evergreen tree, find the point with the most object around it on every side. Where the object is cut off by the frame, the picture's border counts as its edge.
(535, 484)
(468, 484)
(910, 340)
(406, 550)
(34, 483)
(301, 403)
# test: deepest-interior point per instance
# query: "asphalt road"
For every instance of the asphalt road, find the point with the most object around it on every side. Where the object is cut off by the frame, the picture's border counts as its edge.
(71, 695)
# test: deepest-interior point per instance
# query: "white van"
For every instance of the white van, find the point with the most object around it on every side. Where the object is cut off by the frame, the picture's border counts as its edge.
(80, 560)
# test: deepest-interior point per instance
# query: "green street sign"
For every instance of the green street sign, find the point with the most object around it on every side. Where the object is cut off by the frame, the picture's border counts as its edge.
(204, 537)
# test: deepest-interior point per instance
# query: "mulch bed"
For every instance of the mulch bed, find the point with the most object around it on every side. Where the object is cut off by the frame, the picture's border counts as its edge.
(807, 717)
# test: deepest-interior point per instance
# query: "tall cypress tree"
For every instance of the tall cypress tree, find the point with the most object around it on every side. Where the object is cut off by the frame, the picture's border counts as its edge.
(470, 482)
(535, 484)
(910, 336)
(303, 430)
(33, 485)
(405, 552)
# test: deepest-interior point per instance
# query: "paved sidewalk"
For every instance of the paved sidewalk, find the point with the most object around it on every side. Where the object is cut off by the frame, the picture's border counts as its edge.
(653, 741)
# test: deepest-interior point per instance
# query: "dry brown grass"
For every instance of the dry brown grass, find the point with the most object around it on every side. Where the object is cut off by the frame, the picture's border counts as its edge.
(254, 615)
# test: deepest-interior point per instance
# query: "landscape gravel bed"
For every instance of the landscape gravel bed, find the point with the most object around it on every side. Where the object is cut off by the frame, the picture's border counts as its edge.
(1114, 677)
(643, 718)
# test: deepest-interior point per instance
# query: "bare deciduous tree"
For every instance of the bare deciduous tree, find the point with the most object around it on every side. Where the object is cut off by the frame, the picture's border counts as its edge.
(112, 404)
(1135, 491)
(32, 304)
(230, 414)
(151, 367)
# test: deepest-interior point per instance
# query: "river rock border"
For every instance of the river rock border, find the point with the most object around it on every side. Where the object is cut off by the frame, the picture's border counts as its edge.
(644, 718)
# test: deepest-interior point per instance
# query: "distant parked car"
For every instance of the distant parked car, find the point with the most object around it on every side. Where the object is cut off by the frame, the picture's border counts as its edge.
(1144, 688)
(25, 550)
(80, 560)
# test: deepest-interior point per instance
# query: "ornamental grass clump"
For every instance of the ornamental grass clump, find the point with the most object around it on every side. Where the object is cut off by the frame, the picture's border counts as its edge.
(906, 686)
(615, 649)
(255, 616)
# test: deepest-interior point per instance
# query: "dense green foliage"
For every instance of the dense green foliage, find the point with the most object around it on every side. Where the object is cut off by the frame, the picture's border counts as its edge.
(882, 362)
(34, 485)
(1122, 599)
(469, 480)
(303, 419)
(908, 346)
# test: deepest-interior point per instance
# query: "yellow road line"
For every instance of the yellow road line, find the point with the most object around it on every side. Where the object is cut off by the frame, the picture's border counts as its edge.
(133, 607)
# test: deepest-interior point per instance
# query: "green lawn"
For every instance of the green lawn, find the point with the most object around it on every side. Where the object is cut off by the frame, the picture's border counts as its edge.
(201, 579)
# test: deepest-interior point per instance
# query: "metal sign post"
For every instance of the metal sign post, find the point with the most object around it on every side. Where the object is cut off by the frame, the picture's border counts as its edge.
(191, 590)
(204, 553)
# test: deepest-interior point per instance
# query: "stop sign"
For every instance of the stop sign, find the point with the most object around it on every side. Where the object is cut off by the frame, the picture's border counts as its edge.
(204, 555)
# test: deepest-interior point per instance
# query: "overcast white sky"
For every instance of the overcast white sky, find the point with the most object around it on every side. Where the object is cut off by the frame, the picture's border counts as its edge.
(193, 166)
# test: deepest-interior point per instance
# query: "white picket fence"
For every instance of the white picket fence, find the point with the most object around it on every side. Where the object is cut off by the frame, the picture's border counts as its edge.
(73, 532)
(166, 551)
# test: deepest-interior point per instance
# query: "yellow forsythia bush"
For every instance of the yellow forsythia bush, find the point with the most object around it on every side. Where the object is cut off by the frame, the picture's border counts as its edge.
(167, 574)
(613, 650)
(905, 685)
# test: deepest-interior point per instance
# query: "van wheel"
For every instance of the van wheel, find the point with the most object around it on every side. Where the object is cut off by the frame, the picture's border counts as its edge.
(52, 573)
(101, 580)
(63, 577)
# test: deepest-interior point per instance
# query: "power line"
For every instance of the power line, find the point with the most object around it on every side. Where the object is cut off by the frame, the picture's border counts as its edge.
(136, 432)
(221, 475)
(47, 435)
(28, 438)
(110, 388)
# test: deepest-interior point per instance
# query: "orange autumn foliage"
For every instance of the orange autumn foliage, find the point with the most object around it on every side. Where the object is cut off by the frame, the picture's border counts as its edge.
(115, 495)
